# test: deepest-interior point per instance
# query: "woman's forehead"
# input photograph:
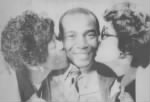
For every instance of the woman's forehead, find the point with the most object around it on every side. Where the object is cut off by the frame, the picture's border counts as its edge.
(109, 28)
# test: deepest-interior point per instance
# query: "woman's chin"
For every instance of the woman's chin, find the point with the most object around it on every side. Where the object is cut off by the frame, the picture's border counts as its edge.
(104, 59)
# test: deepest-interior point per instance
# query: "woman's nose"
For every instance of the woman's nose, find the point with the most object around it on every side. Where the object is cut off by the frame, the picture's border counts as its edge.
(52, 45)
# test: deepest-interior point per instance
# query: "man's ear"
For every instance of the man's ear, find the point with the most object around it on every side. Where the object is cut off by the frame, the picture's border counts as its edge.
(59, 44)
(99, 38)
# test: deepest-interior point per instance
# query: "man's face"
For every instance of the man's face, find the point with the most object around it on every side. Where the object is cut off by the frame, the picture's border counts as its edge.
(80, 39)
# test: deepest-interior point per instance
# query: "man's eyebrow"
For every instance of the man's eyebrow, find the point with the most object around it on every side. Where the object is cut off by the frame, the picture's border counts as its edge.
(70, 32)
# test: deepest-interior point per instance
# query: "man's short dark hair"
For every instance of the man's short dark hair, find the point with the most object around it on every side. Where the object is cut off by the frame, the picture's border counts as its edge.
(76, 11)
(135, 42)
(25, 39)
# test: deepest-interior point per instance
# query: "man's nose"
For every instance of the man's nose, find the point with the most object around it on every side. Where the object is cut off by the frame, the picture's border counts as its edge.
(82, 43)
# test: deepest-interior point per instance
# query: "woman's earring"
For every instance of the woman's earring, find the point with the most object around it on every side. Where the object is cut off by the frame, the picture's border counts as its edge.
(122, 55)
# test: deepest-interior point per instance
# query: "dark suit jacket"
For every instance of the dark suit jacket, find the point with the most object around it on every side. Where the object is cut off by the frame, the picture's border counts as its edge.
(55, 89)
(26, 88)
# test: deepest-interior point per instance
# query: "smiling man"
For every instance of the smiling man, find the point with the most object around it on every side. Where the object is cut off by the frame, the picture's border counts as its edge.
(81, 81)
(80, 37)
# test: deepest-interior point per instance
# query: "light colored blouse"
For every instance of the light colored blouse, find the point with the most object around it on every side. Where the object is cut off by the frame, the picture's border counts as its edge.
(9, 91)
(143, 84)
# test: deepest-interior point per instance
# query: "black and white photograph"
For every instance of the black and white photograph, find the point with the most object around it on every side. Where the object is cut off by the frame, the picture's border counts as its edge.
(74, 50)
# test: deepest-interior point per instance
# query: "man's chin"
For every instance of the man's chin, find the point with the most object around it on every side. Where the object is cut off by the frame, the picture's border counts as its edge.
(82, 63)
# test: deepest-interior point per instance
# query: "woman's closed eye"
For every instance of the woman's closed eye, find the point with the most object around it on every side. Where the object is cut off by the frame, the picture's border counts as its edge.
(107, 32)
(106, 35)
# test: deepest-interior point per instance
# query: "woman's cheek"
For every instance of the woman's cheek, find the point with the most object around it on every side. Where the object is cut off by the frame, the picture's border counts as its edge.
(56, 57)
(61, 59)
(108, 50)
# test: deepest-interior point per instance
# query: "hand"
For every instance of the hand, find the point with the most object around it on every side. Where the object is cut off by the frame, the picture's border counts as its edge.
(125, 97)
(115, 89)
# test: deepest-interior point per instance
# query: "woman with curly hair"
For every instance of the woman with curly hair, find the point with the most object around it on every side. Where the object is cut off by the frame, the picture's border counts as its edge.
(125, 46)
(28, 46)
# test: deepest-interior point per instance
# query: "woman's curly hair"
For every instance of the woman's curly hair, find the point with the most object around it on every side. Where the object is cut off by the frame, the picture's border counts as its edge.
(25, 39)
(133, 30)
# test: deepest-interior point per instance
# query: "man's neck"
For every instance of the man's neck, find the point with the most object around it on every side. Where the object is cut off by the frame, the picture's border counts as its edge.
(86, 69)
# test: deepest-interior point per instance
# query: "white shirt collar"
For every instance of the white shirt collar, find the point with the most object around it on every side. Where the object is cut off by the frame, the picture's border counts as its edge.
(71, 68)
(89, 79)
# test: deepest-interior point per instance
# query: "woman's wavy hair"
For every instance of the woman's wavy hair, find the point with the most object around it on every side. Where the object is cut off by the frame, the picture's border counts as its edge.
(25, 39)
(133, 30)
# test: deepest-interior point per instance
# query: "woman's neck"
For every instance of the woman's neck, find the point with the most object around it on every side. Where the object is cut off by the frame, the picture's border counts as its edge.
(129, 77)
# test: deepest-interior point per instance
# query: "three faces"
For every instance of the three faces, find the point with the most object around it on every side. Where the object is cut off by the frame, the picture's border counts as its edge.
(81, 40)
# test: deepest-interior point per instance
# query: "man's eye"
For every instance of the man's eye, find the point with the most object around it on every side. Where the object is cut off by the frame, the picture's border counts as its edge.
(92, 34)
(70, 36)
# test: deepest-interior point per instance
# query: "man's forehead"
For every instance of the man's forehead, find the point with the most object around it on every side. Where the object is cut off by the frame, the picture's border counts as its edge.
(79, 18)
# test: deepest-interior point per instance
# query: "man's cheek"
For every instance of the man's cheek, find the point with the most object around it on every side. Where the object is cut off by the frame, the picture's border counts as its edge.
(93, 44)
(68, 46)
